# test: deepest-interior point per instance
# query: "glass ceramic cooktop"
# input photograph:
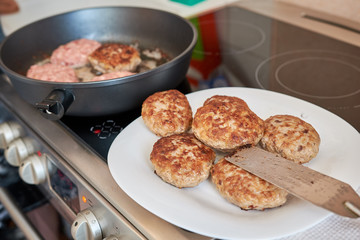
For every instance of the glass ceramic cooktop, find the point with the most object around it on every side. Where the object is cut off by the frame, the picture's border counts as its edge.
(237, 47)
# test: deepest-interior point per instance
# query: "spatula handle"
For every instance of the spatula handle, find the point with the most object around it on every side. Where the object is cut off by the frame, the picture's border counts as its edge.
(352, 208)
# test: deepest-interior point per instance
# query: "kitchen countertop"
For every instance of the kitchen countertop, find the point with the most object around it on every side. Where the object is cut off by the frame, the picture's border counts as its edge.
(33, 10)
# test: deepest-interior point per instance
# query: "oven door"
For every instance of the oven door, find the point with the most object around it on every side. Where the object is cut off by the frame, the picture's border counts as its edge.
(31, 219)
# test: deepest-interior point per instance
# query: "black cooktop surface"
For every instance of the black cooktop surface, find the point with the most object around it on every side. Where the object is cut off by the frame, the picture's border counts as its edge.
(242, 48)
(99, 132)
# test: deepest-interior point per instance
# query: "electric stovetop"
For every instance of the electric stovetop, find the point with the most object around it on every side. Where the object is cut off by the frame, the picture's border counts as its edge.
(237, 47)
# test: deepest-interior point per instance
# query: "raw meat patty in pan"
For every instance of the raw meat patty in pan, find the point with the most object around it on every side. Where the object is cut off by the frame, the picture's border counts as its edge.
(112, 75)
(52, 72)
(245, 189)
(182, 160)
(74, 53)
(113, 57)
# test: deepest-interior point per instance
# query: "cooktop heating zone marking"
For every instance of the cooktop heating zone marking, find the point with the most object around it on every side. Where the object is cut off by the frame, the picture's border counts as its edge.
(106, 129)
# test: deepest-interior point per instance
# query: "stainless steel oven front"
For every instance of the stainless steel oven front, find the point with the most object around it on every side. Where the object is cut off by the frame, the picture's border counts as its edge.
(90, 215)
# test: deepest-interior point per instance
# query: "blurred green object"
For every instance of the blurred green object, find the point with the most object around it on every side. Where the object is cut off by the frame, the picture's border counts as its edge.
(188, 2)
(198, 52)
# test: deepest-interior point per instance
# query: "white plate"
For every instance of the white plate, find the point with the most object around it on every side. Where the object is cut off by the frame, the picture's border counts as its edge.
(201, 209)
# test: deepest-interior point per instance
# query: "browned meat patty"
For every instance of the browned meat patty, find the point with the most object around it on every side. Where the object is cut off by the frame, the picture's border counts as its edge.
(226, 123)
(182, 160)
(167, 112)
(245, 189)
(52, 72)
(113, 57)
(291, 137)
(74, 53)
(225, 99)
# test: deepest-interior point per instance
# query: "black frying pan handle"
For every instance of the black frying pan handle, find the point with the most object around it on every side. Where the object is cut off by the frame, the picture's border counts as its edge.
(54, 106)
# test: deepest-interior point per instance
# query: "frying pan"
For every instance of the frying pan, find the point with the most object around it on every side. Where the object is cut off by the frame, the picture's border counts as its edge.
(149, 27)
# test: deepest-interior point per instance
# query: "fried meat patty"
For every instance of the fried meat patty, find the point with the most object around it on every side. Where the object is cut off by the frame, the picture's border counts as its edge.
(225, 99)
(74, 53)
(182, 160)
(291, 137)
(226, 123)
(113, 57)
(52, 72)
(245, 189)
(167, 112)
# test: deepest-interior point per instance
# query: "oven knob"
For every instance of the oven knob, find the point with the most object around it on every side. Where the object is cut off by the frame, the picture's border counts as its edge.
(8, 132)
(86, 226)
(19, 149)
(32, 170)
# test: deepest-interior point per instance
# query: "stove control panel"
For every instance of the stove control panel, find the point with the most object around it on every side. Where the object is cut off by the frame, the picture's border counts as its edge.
(30, 143)
(89, 215)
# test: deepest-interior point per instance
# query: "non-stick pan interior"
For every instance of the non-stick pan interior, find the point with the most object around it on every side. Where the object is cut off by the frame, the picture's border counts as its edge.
(150, 28)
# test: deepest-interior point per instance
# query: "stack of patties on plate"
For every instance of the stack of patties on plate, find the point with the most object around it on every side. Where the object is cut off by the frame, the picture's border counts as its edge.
(178, 157)
(185, 157)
